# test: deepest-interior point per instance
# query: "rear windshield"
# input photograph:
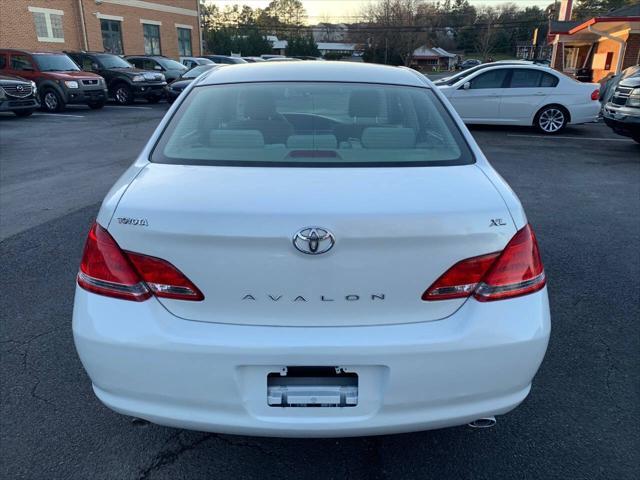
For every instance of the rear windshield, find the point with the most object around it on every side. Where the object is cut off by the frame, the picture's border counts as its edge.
(312, 124)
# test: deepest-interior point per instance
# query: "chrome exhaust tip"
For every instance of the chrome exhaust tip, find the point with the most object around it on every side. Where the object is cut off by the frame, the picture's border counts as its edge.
(139, 422)
(486, 422)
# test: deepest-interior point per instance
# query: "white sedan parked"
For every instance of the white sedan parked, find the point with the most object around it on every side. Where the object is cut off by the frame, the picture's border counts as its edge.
(523, 95)
(311, 249)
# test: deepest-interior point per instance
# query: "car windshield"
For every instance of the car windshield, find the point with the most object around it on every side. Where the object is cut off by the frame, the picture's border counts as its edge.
(113, 61)
(312, 124)
(171, 64)
(55, 63)
(197, 71)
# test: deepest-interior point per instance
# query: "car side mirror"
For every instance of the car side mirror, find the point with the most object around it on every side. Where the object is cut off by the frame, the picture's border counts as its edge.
(157, 67)
(28, 68)
(466, 86)
(94, 66)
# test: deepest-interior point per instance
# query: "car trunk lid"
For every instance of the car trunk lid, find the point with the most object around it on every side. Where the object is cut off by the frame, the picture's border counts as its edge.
(230, 230)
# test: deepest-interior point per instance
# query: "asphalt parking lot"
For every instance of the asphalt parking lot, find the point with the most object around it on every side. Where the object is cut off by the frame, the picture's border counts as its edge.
(581, 191)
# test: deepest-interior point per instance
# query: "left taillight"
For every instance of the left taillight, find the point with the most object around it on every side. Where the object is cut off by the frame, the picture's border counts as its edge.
(107, 270)
(515, 271)
(595, 95)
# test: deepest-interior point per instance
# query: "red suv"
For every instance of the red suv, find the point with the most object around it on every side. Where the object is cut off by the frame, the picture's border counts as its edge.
(58, 78)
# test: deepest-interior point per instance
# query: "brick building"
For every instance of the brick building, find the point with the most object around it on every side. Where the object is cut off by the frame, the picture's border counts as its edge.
(131, 27)
(593, 48)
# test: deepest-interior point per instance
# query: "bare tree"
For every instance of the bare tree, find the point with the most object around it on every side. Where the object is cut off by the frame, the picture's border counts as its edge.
(487, 32)
(398, 27)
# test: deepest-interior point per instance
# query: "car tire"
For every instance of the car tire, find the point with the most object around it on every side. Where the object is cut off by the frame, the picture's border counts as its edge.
(51, 101)
(123, 94)
(23, 113)
(96, 105)
(551, 119)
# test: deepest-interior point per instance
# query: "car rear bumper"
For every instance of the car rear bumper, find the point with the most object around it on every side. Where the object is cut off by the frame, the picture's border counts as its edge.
(150, 364)
(585, 113)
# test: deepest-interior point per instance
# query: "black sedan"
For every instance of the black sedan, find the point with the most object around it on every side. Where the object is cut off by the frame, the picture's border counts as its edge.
(176, 87)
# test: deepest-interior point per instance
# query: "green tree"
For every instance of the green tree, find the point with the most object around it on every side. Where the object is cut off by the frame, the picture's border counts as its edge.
(585, 9)
(302, 45)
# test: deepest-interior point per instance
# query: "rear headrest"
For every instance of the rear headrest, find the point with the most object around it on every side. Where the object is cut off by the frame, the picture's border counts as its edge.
(388, 137)
(317, 142)
(236, 139)
(364, 103)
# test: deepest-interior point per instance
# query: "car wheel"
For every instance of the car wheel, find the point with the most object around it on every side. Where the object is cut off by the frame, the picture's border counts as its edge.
(52, 101)
(96, 105)
(123, 94)
(23, 113)
(551, 119)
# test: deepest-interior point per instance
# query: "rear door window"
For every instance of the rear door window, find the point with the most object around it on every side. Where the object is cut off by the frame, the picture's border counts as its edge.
(21, 62)
(530, 78)
(491, 79)
(312, 124)
(548, 80)
(525, 78)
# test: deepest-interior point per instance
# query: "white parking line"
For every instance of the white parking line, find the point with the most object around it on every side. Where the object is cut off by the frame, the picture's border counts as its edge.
(125, 106)
(551, 137)
(58, 115)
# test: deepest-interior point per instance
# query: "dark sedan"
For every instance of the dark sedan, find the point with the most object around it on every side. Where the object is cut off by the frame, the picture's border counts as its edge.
(175, 88)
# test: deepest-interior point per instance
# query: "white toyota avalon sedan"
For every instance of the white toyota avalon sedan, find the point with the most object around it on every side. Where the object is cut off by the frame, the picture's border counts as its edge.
(528, 95)
(311, 249)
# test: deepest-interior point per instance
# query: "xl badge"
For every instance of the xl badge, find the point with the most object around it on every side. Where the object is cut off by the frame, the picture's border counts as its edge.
(313, 240)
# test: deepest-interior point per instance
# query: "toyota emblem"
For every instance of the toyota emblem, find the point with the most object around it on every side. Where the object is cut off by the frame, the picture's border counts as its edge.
(313, 240)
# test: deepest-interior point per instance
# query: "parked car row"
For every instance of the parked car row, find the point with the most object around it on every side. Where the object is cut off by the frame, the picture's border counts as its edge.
(53, 80)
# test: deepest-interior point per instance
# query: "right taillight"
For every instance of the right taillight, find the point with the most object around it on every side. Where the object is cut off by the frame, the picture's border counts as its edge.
(515, 271)
(107, 270)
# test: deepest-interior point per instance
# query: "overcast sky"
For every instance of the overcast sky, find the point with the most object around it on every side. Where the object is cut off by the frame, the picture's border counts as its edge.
(346, 10)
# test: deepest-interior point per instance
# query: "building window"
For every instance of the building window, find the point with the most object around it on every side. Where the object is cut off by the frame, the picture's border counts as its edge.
(184, 42)
(48, 24)
(111, 36)
(151, 39)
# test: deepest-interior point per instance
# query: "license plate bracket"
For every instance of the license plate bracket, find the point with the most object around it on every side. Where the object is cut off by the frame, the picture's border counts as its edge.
(312, 387)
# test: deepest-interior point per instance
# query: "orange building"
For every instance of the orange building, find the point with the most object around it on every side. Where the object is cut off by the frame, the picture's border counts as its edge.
(593, 48)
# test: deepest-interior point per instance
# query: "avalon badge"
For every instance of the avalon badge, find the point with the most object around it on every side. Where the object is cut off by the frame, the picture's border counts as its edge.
(313, 240)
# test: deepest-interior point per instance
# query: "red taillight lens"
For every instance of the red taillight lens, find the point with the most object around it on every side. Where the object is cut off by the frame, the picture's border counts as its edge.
(516, 271)
(164, 279)
(460, 280)
(595, 95)
(106, 270)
